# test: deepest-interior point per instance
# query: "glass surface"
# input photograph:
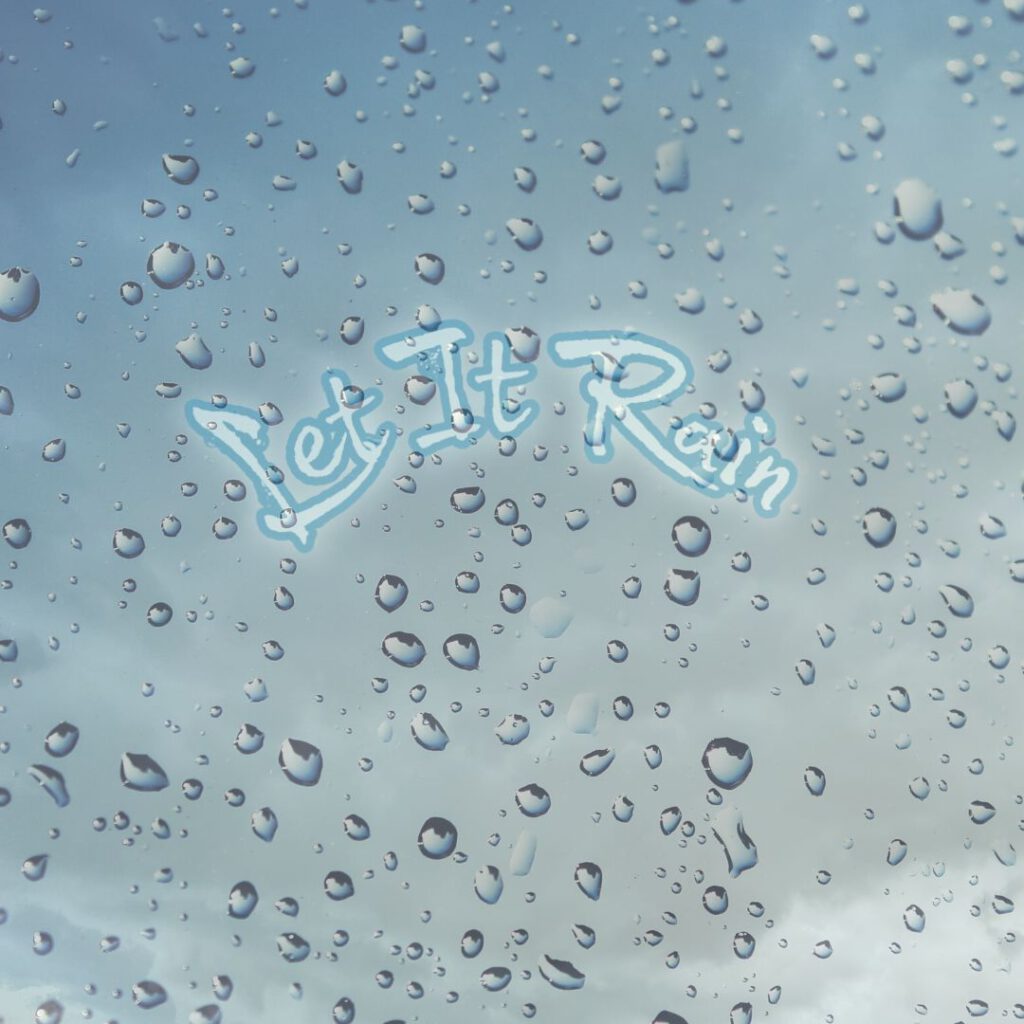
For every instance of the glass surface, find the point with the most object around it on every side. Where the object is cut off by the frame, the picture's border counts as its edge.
(510, 511)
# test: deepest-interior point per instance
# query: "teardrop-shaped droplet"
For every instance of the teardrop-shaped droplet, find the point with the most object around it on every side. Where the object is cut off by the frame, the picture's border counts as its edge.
(957, 600)
(428, 732)
(182, 170)
(140, 772)
(589, 879)
(301, 762)
(487, 884)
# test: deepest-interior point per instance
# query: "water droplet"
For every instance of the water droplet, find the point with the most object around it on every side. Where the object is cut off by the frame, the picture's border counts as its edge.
(34, 868)
(468, 499)
(981, 811)
(338, 885)
(19, 294)
(589, 879)
(242, 900)
(194, 353)
(437, 838)
(918, 208)
(55, 450)
(62, 739)
(17, 533)
(525, 233)
(52, 783)
(301, 762)
(683, 586)
(879, 526)
(391, 592)
(958, 601)
(691, 536)
(429, 268)
(727, 762)
(170, 265)
(404, 649)
(715, 899)
(513, 729)
(159, 614)
(428, 732)
(672, 166)
(182, 170)
(141, 773)
(461, 650)
(264, 824)
(961, 311)
(560, 974)
(487, 884)
(913, 918)
(533, 800)
(148, 994)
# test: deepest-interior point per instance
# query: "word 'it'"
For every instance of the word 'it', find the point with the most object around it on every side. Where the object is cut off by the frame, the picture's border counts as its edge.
(332, 459)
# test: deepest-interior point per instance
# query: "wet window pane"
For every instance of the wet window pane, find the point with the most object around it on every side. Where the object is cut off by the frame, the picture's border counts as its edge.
(510, 511)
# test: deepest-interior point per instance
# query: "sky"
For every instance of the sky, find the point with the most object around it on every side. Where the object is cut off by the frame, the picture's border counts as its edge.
(790, 218)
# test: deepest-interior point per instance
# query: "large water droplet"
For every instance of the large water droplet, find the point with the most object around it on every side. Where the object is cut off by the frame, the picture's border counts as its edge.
(961, 310)
(879, 526)
(301, 762)
(727, 762)
(338, 885)
(242, 899)
(52, 783)
(913, 918)
(140, 772)
(691, 536)
(462, 651)
(170, 265)
(918, 208)
(487, 884)
(405, 649)
(391, 592)
(182, 170)
(958, 601)
(128, 543)
(147, 994)
(19, 294)
(672, 166)
(533, 800)
(715, 899)
(264, 824)
(589, 879)
(61, 739)
(740, 851)
(683, 586)
(525, 233)
(561, 974)
(17, 533)
(437, 838)
(428, 731)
